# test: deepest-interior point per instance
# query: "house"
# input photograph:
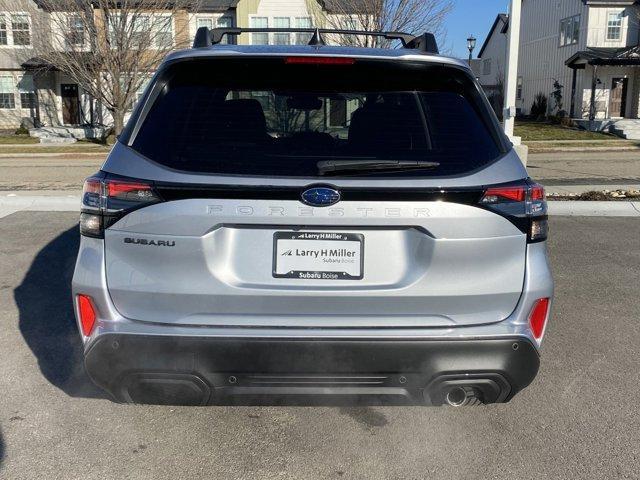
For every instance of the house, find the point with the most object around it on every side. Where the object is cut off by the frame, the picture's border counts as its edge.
(592, 49)
(34, 92)
(490, 65)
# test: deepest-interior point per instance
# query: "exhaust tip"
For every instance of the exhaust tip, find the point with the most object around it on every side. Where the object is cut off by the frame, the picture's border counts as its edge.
(462, 396)
(456, 397)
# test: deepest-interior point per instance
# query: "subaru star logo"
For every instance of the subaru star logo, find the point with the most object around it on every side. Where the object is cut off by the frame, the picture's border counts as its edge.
(320, 196)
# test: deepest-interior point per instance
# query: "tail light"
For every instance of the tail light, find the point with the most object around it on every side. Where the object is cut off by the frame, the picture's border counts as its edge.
(524, 204)
(106, 200)
(87, 314)
(538, 317)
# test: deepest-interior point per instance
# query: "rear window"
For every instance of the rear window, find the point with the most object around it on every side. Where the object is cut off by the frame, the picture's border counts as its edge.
(267, 117)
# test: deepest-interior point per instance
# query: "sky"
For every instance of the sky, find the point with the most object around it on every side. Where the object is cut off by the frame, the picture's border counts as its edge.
(471, 17)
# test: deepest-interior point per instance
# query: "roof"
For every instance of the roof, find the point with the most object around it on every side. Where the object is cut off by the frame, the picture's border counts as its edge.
(613, 3)
(203, 5)
(314, 50)
(605, 56)
(217, 5)
(501, 19)
(350, 6)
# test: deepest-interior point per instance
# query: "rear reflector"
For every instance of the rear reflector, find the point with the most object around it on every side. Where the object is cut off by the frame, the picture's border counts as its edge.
(538, 317)
(320, 60)
(87, 314)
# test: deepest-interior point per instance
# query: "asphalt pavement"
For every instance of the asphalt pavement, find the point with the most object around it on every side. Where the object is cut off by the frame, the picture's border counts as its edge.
(66, 172)
(579, 419)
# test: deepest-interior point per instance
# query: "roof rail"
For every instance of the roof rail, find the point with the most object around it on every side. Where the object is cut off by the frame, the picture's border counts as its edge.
(425, 43)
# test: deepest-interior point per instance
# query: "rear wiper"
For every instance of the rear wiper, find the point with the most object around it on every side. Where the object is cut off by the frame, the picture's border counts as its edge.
(333, 166)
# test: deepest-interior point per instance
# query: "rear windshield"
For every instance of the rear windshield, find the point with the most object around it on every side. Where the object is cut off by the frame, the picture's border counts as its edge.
(268, 117)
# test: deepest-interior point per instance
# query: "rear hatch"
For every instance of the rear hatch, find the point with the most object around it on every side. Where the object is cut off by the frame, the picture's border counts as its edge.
(268, 198)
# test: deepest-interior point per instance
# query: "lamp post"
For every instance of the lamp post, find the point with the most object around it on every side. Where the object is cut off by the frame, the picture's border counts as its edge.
(471, 45)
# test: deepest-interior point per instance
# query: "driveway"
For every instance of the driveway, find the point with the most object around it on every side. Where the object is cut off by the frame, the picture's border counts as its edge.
(578, 420)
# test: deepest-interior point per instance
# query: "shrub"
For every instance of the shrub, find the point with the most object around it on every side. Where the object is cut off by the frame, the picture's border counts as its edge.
(539, 106)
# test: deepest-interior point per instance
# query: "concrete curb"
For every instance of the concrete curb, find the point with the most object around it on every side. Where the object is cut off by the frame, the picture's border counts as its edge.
(71, 203)
(594, 209)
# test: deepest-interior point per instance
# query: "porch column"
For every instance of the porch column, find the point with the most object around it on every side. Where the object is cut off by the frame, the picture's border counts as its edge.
(592, 106)
(574, 80)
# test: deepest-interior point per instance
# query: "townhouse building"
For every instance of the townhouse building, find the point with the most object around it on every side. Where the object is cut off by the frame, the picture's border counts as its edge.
(592, 48)
(31, 92)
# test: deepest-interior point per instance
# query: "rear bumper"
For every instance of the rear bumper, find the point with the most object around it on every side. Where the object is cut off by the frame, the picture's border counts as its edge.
(213, 370)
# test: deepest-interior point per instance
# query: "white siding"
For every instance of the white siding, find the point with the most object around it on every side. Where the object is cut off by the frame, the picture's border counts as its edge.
(541, 57)
(494, 56)
(598, 18)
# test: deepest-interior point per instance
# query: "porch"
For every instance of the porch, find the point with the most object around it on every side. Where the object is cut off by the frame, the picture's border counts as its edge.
(605, 90)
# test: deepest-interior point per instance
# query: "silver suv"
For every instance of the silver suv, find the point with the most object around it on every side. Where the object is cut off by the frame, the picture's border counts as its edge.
(312, 223)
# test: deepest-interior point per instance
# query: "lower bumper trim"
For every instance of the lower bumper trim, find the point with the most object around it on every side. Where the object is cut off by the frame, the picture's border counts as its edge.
(210, 370)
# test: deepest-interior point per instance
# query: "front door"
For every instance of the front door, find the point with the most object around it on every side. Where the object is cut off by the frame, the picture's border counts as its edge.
(70, 104)
(618, 97)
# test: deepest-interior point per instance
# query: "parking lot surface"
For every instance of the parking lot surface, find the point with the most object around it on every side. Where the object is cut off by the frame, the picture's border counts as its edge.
(579, 419)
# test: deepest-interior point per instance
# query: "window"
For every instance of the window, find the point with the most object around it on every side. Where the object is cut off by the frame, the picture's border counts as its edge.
(486, 67)
(303, 38)
(15, 29)
(204, 22)
(209, 22)
(337, 112)
(225, 22)
(140, 32)
(20, 29)
(519, 89)
(282, 38)
(614, 26)
(27, 92)
(259, 38)
(141, 89)
(4, 39)
(75, 32)
(7, 97)
(268, 118)
(163, 31)
(570, 31)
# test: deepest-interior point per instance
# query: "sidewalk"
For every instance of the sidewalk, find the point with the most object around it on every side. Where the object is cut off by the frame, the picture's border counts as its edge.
(69, 201)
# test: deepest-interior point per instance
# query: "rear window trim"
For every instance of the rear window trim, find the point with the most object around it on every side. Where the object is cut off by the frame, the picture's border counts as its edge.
(158, 83)
(131, 130)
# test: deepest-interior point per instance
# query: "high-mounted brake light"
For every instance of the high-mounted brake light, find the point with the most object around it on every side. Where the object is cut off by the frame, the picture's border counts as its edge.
(87, 314)
(538, 317)
(319, 60)
(105, 200)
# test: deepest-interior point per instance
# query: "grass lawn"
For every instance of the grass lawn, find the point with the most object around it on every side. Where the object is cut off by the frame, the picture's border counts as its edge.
(18, 139)
(74, 148)
(537, 131)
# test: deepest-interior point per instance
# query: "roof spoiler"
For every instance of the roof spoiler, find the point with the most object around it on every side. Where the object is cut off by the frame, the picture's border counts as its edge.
(425, 43)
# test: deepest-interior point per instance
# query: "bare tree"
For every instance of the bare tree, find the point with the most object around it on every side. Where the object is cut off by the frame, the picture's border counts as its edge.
(110, 48)
(410, 16)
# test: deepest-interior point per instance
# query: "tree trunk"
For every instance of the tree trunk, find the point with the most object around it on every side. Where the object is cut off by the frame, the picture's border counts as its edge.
(118, 121)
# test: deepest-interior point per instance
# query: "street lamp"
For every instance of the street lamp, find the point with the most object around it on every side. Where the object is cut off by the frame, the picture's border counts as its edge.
(471, 45)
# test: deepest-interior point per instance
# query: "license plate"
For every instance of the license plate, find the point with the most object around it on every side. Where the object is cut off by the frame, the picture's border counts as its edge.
(318, 255)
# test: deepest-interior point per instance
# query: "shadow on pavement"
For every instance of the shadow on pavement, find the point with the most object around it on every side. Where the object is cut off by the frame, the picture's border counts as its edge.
(47, 322)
